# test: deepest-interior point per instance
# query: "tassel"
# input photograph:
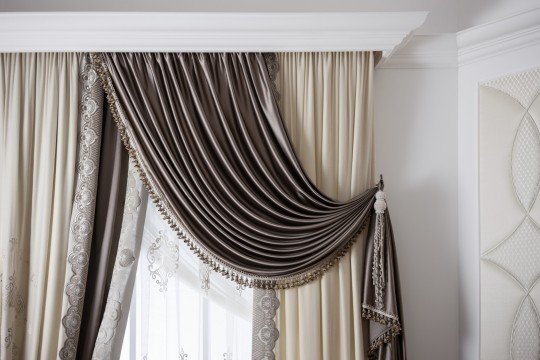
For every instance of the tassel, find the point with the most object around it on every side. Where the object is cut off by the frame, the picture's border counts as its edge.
(378, 249)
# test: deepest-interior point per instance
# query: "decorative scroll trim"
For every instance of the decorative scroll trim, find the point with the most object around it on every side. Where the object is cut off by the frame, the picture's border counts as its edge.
(265, 332)
(229, 271)
(163, 257)
(82, 217)
(272, 66)
(125, 266)
(391, 321)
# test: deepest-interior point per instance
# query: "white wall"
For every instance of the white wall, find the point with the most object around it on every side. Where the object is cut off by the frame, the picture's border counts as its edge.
(472, 13)
(416, 147)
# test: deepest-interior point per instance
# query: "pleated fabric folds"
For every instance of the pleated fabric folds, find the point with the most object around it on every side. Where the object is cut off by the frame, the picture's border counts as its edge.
(39, 121)
(326, 102)
(208, 138)
(81, 228)
(271, 196)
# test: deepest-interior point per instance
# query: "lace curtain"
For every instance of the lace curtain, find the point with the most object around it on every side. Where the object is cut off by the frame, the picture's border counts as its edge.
(179, 309)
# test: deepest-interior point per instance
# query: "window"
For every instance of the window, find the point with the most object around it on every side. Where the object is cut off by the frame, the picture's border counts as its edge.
(179, 308)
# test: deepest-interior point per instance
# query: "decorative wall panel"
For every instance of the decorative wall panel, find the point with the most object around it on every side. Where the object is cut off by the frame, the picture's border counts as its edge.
(510, 217)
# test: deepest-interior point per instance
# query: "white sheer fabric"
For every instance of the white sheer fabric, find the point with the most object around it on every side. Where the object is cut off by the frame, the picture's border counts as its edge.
(326, 104)
(179, 309)
(38, 152)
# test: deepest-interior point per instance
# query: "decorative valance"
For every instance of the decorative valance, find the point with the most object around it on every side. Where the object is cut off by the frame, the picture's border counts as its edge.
(210, 145)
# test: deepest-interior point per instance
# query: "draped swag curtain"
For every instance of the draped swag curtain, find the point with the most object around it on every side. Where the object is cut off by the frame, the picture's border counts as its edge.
(209, 143)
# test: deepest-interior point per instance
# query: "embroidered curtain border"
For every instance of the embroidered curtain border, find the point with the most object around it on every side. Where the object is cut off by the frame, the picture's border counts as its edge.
(82, 218)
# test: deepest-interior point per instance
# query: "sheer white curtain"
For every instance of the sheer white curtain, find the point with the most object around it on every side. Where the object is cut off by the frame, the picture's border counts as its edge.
(326, 104)
(38, 152)
(179, 308)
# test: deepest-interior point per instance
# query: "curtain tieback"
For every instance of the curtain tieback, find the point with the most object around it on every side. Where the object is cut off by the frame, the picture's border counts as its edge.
(378, 247)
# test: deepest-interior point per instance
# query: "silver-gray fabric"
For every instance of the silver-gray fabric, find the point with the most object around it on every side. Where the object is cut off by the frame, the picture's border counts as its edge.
(207, 136)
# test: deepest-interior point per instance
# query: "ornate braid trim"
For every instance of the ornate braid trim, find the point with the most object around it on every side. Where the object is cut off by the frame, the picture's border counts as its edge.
(229, 271)
(272, 66)
(381, 317)
(82, 216)
(265, 333)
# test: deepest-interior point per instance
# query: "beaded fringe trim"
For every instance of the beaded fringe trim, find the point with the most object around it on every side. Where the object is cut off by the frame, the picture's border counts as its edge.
(381, 317)
(227, 270)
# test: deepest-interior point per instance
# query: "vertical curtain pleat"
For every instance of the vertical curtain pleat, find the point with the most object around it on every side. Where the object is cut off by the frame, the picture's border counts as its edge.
(111, 192)
(326, 104)
(38, 148)
(112, 324)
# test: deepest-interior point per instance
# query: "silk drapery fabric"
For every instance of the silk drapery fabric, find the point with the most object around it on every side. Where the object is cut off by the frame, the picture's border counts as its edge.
(326, 102)
(81, 228)
(39, 119)
(208, 136)
(109, 214)
(113, 319)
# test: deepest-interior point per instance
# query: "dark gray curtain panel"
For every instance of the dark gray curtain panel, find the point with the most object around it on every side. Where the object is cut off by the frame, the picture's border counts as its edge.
(210, 146)
(209, 138)
(110, 197)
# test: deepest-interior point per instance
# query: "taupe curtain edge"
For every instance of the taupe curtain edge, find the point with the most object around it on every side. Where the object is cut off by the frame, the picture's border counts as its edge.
(111, 192)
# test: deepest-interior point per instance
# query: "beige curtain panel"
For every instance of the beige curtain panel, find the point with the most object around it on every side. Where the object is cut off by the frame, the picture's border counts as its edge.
(39, 120)
(326, 104)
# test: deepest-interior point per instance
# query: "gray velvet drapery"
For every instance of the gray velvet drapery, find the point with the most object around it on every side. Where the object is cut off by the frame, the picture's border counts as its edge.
(210, 145)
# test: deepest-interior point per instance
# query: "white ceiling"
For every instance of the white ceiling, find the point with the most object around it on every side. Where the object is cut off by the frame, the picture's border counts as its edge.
(446, 15)
(476, 12)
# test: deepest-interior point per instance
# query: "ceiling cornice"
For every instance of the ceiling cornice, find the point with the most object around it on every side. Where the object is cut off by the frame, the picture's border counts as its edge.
(205, 32)
(497, 37)
(434, 51)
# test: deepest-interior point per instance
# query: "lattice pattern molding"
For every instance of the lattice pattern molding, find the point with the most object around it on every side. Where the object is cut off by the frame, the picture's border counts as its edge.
(510, 217)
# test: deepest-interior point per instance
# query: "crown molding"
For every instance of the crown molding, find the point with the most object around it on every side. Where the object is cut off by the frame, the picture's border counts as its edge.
(434, 51)
(497, 37)
(204, 32)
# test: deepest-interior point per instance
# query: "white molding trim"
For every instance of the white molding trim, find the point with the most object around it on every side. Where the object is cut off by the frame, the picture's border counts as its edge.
(202, 32)
(433, 51)
(497, 37)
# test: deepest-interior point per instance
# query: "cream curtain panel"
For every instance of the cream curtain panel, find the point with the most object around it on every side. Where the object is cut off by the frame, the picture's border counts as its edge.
(50, 140)
(38, 152)
(326, 102)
